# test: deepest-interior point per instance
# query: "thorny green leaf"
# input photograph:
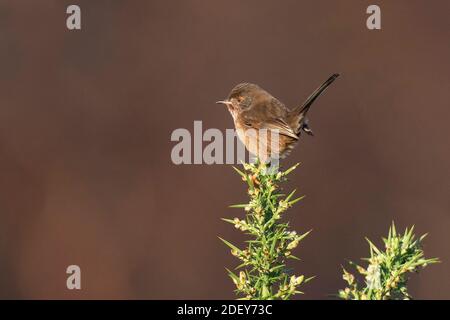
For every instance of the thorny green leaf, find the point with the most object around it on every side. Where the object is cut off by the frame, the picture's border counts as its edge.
(264, 274)
(386, 273)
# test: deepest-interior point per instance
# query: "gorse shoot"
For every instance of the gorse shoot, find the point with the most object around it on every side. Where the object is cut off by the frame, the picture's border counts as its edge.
(386, 275)
(262, 273)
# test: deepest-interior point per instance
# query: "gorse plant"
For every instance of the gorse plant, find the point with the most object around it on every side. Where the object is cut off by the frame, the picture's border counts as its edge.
(386, 275)
(263, 274)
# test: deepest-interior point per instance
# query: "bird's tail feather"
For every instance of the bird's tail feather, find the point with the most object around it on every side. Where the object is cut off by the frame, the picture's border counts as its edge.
(303, 109)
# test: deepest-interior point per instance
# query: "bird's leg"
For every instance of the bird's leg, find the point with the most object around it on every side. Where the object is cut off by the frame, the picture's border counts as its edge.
(254, 179)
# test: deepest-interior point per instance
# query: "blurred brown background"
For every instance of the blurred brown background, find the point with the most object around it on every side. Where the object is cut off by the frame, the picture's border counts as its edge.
(86, 118)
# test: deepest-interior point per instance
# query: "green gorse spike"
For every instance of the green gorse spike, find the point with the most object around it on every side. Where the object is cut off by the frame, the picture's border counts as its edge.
(263, 272)
(386, 275)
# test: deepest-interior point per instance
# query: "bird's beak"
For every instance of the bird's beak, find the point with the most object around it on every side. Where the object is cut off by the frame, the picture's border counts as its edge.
(226, 102)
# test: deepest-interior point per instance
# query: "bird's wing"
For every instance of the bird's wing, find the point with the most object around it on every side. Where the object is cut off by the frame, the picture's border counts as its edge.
(269, 113)
(271, 124)
(281, 126)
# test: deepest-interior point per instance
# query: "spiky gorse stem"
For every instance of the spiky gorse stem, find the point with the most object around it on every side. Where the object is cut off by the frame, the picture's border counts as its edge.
(263, 273)
(386, 275)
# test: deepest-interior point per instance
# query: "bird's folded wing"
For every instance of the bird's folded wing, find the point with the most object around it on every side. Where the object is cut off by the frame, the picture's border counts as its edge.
(274, 124)
(280, 125)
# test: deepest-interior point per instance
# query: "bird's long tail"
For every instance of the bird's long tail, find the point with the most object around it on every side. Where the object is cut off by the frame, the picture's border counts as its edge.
(303, 109)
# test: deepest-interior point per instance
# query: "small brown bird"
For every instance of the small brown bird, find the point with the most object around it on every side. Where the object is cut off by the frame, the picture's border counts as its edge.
(254, 108)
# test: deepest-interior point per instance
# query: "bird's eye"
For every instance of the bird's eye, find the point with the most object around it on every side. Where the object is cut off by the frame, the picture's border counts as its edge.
(240, 99)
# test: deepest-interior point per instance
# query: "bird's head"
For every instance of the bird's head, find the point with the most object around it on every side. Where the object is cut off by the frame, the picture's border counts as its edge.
(240, 98)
